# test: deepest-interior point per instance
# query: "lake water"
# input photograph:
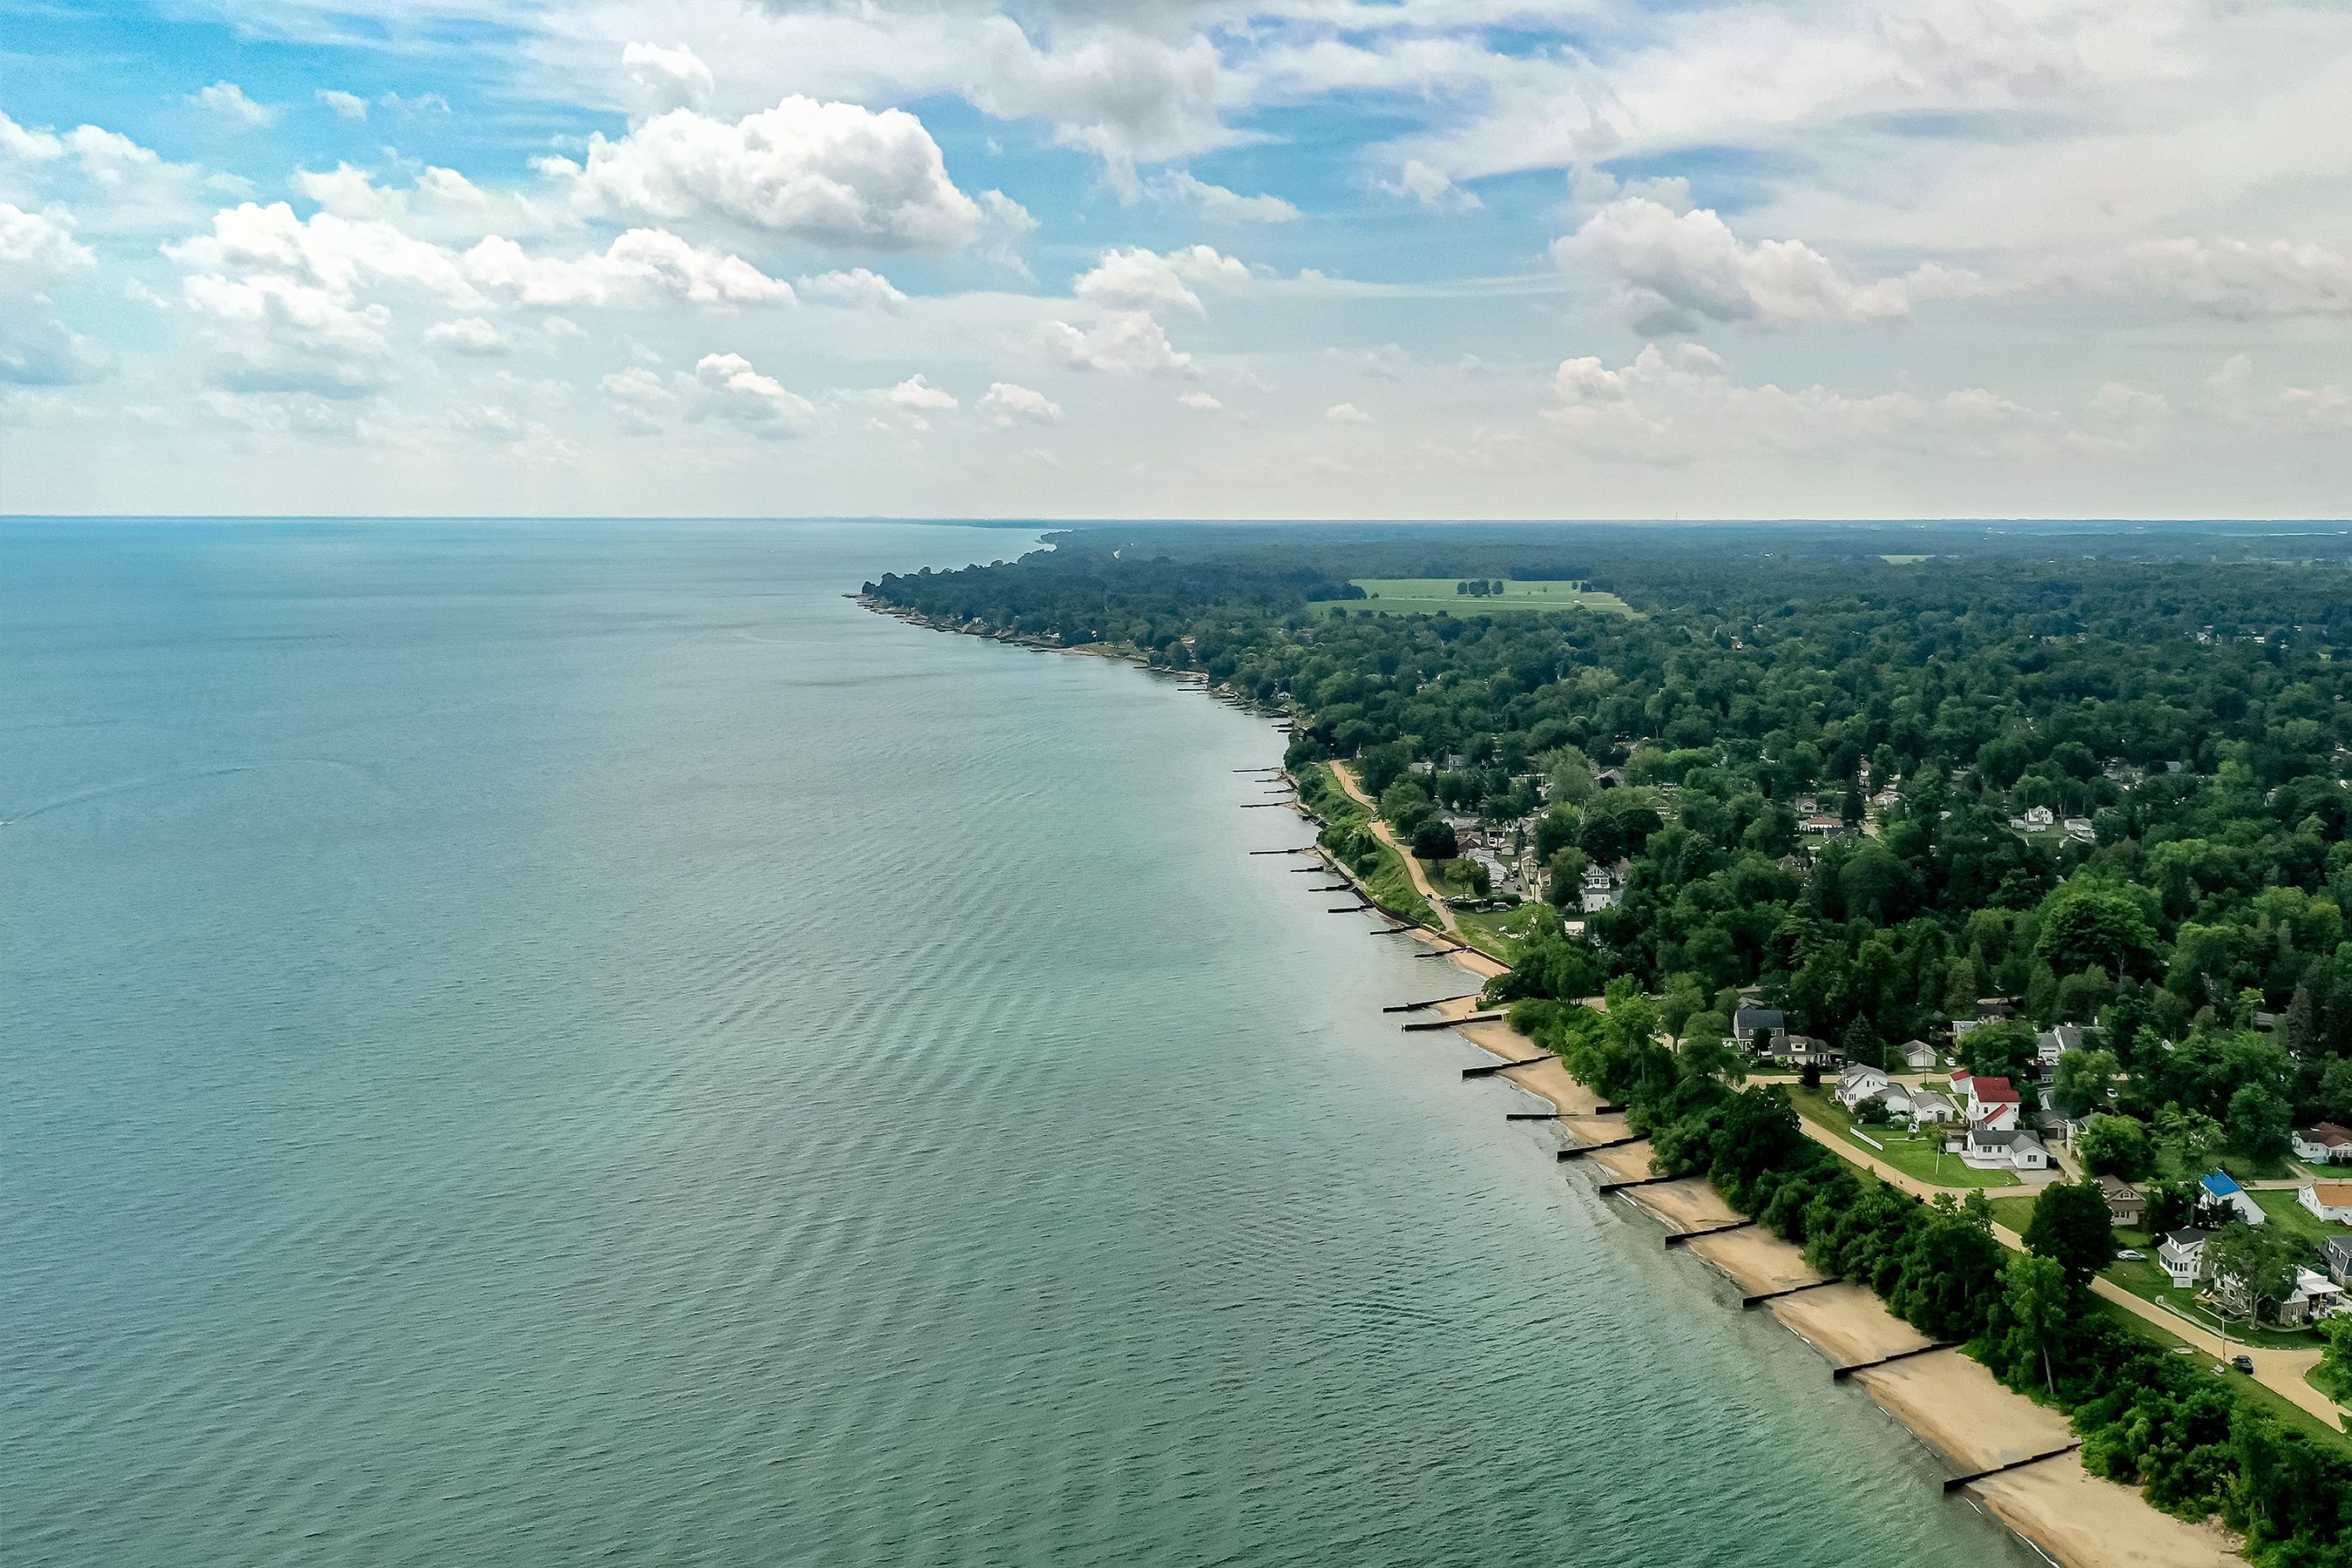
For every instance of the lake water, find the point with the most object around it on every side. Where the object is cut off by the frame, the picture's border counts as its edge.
(551, 1042)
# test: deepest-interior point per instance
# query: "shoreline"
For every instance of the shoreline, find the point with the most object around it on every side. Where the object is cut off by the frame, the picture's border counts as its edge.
(1947, 1402)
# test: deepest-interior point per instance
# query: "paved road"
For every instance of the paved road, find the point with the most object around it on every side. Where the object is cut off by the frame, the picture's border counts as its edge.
(2281, 1372)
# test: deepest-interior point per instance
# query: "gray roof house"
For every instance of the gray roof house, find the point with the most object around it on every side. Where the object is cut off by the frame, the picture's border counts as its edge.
(2338, 1255)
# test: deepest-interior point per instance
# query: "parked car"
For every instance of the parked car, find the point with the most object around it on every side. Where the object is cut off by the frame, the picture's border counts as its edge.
(2131, 1255)
(2245, 1363)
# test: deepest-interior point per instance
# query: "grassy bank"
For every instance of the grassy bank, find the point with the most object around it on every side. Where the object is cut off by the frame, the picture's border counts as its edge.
(1349, 838)
(1919, 1157)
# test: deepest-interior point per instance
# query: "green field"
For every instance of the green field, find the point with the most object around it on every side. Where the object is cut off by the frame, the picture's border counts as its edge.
(2289, 1215)
(1497, 931)
(1435, 595)
(1922, 1159)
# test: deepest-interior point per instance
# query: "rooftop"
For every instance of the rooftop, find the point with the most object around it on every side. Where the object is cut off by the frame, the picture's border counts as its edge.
(2220, 1184)
(1993, 1090)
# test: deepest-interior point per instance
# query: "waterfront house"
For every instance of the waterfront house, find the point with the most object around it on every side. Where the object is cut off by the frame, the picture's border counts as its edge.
(2331, 1201)
(2182, 1256)
(2126, 1205)
(2218, 1191)
(1918, 1055)
(2325, 1145)
(2338, 1255)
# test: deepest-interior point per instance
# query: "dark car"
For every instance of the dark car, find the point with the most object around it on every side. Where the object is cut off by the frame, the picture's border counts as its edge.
(2245, 1363)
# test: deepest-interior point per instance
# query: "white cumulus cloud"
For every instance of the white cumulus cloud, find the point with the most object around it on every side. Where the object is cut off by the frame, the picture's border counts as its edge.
(1132, 279)
(835, 173)
(916, 391)
(227, 100)
(727, 388)
(673, 78)
(858, 287)
(1125, 343)
(1009, 403)
(466, 335)
(1675, 269)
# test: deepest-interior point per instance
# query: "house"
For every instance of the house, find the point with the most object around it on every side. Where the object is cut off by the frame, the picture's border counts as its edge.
(2035, 819)
(2315, 1296)
(1929, 1106)
(2080, 830)
(1830, 826)
(1599, 890)
(1917, 1055)
(2325, 1145)
(2182, 1254)
(2218, 1191)
(2126, 1205)
(2338, 1255)
(1748, 1021)
(1987, 1147)
(2331, 1201)
(1857, 1084)
(1897, 1100)
(1992, 1101)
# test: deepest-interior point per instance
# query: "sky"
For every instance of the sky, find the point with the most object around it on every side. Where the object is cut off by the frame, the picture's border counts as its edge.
(1254, 258)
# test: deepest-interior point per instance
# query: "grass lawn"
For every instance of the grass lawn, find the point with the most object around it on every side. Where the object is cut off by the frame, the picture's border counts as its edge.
(2297, 1220)
(2149, 1282)
(1499, 931)
(1435, 596)
(1921, 1158)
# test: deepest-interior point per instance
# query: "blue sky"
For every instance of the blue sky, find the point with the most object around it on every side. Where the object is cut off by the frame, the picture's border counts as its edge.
(1176, 258)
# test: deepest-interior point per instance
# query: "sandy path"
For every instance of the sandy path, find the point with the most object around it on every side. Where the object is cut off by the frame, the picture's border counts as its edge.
(1380, 830)
(1757, 1260)
(2075, 1517)
(1846, 1323)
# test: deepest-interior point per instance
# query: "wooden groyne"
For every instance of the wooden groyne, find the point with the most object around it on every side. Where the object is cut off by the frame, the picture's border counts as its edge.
(1578, 1150)
(1434, 1001)
(1262, 804)
(1637, 1181)
(1441, 952)
(1345, 909)
(1677, 1237)
(1840, 1373)
(1956, 1483)
(1330, 886)
(1485, 1070)
(1531, 1115)
(1392, 930)
(1456, 1023)
(1302, 849)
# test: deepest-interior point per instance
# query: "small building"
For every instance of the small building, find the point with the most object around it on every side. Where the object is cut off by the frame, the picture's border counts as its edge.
(2325, 1145)
(2221, 1191)
(2331, 1201)
(1994, 1147)
(2079, 829)
(2182, 1254)
(1918, 1055)
(2126, 1205)
(1929, 1108)
(2315, 1296)
(1897, 1100)
(2337, 1256)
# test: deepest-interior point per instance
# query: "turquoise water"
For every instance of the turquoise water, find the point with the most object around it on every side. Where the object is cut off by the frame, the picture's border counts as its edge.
(552, 1043)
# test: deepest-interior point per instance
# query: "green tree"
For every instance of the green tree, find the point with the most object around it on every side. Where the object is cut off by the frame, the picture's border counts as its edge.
(2006, 1049)
(2086, 923)
(2116, 1146)
(2258, 1122)
(2071, 1226)
(2254, 1265)
(2038, 1304)
(2334, 1373)
(2084, 1080)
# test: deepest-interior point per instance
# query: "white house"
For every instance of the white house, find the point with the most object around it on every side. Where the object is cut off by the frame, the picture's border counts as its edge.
(2331, 1201)
(1992, 1101)
(2315, 1296)
(2183, 1254)
(2080, 830)
(1857, 1084)
(1918, 1055)
(1990, 1147)
(2036, 819)
(2325, 1145)
(1599, 890)
(1929, 1106)
(2218, 1191)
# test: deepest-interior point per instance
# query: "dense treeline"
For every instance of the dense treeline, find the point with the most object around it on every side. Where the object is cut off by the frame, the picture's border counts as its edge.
(1839, 769)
